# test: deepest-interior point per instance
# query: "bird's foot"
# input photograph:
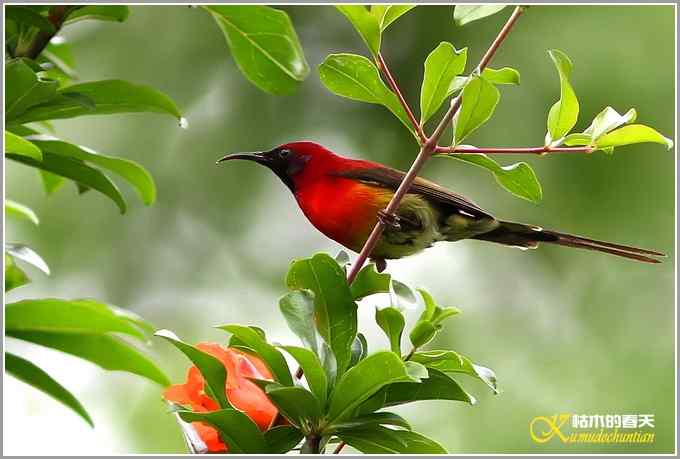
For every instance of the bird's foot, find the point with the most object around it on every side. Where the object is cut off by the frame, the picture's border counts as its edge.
(380, 264)
(390, 220)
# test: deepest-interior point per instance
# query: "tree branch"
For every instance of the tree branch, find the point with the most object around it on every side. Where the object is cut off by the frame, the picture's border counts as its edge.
(525, 150)
(382, 65)
(57, 15)
(426, 151)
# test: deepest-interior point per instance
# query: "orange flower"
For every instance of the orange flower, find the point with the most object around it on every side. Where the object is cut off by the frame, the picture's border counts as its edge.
(242, 393)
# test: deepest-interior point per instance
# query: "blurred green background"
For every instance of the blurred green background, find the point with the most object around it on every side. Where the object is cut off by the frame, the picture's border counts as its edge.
(566, 331)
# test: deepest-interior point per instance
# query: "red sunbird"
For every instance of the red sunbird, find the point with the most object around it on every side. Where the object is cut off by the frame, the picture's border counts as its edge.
(344, 198)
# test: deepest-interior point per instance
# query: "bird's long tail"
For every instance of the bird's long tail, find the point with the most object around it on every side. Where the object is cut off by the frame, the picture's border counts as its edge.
(529, 236)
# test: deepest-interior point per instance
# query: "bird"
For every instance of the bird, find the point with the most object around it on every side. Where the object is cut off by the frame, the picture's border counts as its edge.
(344, 198)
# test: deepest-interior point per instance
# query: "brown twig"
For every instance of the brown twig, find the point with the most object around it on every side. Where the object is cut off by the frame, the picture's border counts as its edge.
(426, 151)
(382, 65)
(527, 150)
(57, 15)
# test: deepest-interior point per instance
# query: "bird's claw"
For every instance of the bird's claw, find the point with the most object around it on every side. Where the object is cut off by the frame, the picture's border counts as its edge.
(390, 220)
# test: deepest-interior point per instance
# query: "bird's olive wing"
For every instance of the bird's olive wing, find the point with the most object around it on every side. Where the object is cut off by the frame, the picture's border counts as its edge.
(391, 178)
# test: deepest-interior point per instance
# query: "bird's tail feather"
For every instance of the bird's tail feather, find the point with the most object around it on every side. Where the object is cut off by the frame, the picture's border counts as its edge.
(529, 236)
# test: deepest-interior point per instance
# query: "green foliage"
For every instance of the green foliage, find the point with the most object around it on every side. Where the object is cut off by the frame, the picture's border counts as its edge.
(368, 25)
(342, 402)
(28, 372)
(355, 77)
(633, 133)
(387, 14)
(480, 98)
(21, 146)
(264, 45)
(441, 67)
(564, 113)
(518, 178)
(113, 13)
(464, 14)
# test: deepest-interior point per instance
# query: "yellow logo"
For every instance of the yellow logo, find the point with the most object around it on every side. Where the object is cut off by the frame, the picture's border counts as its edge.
(599, 428)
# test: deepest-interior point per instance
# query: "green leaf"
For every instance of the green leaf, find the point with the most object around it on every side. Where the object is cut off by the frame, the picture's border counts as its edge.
(297, 404)
(114, 13)
(519, 178)
(24, 89)
(371, 420)
(235, 428)
(58, 52)
(464, 14)
(381, 440)
(109, 352)
(20, 211)
(335, 309)
(213, 371)
(108, 96)
(362, 381)
(30, 373)
(433, 312)
(313, 371)
(633, 133)
(28, 255)
(269, 354)
(416, 371)
(359, 349)
(369, 282)
(441, 67)
(438, 386)
(422, 333)
(479, 102)
(27, 16)
(608, 120)
(392, 322)
(66, 316)
(77, 171)
(342, 258)
(298, 310)
(452, 362)
(387, 14)
(51, 182)
(355, 77)
(264, 45)
(21, 146)
(14, 276)
(365, 23)
(132, 172)
(564, 113)
(281, 439)
(506, 75)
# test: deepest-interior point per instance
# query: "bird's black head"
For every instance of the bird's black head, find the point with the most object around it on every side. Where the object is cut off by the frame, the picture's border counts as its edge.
(286, 160)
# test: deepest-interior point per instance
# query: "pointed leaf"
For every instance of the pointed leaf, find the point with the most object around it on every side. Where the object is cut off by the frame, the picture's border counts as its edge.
(28, 255)
(281, 439)
(631, 134)
(268, 353)
(479, 102)
(108, 96)
(77, 171)
(30, 373)
(20, 211)
(505, 75)
(298, 310)
(519, 178)
(297, 404)
(21, 146)
(392, 322)
(264, 45)
(382, 440)
(362, 381)
(236, 429)
(564, 113)
(14, 276)
(133, 173)
(441, 67)
(24, 89)
(371, 420)
(438, 386)
(108, 352)
(452, 362)
(464, 14)
(387, 14)
(359, 349)
(355, 77)
(366, 24)
(335, 309)
(422, 333)
(213, 371)
(369, 282)
(114, 13)
(402, 296)
(313, 371)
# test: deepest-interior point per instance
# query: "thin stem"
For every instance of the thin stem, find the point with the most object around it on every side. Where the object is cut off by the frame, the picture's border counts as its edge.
(395, 88)
(339, 448)
(511, 150)
(426, 151)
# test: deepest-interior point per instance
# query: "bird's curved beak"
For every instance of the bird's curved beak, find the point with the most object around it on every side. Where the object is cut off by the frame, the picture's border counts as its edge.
(258, 157)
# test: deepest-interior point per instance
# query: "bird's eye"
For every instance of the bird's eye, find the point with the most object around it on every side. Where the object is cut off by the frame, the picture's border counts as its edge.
(284, 153)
